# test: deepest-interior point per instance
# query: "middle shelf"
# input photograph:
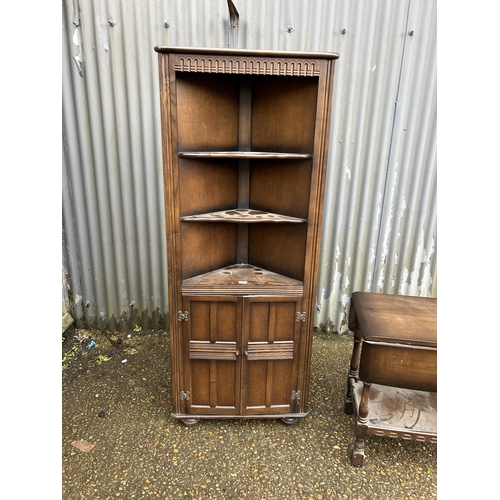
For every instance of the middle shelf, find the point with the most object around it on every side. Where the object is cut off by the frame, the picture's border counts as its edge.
(242, 215)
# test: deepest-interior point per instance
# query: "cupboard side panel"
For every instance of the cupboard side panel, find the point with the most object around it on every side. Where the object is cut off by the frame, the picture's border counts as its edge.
(318, 179)
(168, 112)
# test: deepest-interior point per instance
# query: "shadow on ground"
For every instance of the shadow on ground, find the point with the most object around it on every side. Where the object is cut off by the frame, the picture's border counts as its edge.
(119, 441)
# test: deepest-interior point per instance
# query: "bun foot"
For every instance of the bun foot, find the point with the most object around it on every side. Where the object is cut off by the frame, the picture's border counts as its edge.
(189, 422)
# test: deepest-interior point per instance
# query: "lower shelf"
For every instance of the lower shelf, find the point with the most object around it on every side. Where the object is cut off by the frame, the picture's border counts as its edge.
(242, 279)
(399, 413)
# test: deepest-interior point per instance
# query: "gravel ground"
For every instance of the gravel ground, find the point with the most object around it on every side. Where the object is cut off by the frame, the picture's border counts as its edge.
(119, 441)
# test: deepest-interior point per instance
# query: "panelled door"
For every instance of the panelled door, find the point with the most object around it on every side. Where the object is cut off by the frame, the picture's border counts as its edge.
(240, 355)
(271, 338)
(211, 355)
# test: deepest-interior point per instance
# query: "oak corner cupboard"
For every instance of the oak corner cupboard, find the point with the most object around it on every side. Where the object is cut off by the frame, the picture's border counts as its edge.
(244, 136)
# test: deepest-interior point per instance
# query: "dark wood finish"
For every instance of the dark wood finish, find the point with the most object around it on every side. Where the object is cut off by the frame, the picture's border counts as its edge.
(212, 355)
(282, 116)
(392, 380)
(242, 216)
(396, 318)
(280, 186)
(211, 247)
(271, 344)
(244, 136)
(208, 109)
(270, 243)
(246, 155)
(207, 185)
(245, 53)
(240, 354)
(242, 279)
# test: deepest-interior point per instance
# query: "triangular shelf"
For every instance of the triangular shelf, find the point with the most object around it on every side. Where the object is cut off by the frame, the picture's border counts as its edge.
(242, 279)
(242, 215)
(245, 155)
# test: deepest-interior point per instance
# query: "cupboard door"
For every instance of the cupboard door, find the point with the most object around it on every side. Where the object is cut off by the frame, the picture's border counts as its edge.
(211, 353)
(271, 342)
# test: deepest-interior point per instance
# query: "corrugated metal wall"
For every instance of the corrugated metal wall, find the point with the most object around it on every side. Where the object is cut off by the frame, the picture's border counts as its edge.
(380, 222)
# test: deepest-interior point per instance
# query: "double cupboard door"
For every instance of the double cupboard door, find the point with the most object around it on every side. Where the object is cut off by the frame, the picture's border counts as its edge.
(240, 356)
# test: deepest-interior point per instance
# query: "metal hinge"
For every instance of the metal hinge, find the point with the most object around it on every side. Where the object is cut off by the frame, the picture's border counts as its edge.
(185, 395)
(296, 395)
(301, 316)
(183, 316)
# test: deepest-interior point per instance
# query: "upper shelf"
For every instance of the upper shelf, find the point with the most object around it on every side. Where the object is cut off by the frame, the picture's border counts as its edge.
(239, 215)
(246, 155)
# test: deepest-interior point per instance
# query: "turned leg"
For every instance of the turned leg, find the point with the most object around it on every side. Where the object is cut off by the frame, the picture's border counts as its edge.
(353, 371)
(358, 450)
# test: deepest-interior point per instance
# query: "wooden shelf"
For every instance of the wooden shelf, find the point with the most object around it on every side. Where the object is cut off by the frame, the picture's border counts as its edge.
(242, 215)
(399, 413)
(242, 279)
(245, 155)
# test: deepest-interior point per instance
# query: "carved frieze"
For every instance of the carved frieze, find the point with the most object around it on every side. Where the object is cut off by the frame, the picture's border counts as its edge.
(248, 66)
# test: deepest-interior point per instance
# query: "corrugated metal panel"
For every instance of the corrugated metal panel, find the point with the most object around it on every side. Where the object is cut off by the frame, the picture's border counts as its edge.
(380, 227)
(405, 257)
(379, 230)
(113, 198)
